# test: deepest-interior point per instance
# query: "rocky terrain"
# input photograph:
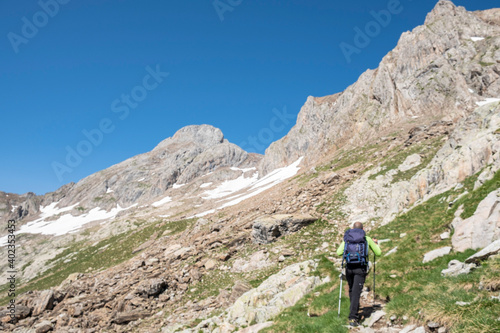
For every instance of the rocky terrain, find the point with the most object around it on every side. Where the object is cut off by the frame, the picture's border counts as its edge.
(199, 235)
(438, 71)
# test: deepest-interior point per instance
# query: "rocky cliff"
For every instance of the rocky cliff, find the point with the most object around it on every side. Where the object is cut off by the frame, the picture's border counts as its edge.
(438, 71)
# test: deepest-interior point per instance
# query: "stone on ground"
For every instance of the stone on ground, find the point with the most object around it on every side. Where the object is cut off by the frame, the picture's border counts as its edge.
(429, 256)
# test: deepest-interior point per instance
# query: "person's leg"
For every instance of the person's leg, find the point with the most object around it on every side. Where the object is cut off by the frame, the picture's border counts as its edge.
(359, 275)
(350, 279)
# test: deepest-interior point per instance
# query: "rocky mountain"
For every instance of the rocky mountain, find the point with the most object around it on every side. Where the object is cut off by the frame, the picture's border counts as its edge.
(199, 236)
(438, 71)
(191, 152)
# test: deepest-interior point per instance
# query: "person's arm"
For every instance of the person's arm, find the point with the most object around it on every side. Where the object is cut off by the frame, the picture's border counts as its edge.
(375, 248)
(340, 249)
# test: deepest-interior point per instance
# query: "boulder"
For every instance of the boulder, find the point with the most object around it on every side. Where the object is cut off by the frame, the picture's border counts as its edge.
(482, 228)
(456, 267)
(43, 327)
(429, 256)
(410, 162)
(210, 264)
(279, 291)
(258, 260)
(488, 251)
(330, 178)
(151, 287)
(43, 302)
(267, 229)
(445, 235)
(21, 313)
(376, 316)
(126, 317)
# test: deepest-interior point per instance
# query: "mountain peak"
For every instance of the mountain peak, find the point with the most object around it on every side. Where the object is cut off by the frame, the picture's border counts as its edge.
(206, 134)
(202, 135)
(442, 9)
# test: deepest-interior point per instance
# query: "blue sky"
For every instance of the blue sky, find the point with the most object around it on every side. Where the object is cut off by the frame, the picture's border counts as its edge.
(100, 67)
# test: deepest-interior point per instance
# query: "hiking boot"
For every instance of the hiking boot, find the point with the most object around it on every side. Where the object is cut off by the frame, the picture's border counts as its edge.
(353, 323)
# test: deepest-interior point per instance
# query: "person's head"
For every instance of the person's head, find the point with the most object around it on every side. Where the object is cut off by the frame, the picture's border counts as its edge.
(357, 225)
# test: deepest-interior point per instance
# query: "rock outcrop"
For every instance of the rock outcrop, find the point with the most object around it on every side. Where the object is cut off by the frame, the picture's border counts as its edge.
(260, 304)
(482, 228)
(436, 71)
(472, 146)
(485, 253)
(456, 268)
(267, 229)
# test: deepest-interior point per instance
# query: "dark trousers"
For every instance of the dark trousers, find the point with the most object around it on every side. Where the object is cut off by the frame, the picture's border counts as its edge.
(356, 279)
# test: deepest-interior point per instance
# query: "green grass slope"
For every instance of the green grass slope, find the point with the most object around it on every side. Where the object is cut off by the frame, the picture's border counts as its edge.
(410, 287)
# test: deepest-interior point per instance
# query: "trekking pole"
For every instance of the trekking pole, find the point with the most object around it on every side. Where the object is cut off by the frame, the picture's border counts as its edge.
(340, 292)
(374, 278)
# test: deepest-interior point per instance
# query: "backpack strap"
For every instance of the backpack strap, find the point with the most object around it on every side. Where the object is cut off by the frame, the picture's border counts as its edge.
(344, 254)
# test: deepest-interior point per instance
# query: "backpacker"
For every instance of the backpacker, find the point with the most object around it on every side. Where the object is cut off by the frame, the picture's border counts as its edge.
(356, 247)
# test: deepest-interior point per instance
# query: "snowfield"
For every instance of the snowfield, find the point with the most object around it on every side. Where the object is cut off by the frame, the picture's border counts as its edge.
(488, 101)
(161, 202)
(65, 223)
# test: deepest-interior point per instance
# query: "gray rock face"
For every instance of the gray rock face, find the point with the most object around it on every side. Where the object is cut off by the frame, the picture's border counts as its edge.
(267, 229)
(488, 251)
(470, 147)
(456, 267)
(480, 229)
(434, 72)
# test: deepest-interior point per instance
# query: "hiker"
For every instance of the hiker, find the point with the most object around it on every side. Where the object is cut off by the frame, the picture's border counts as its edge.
(356, 257)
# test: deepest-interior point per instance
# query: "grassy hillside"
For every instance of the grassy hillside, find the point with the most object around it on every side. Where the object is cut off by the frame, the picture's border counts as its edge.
(409, 287)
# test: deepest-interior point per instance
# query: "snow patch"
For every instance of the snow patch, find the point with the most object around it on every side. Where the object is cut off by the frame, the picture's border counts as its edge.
(178, 185)
(51, 210)
(204, 213)
(109, 190)
(476, 39)
(273, 178)
(488, 101)
(230, 186)
(471, 91)
(66, 223)
(161, 202)
(13, 209)
(243, 170)
(205, 185)
(140, 180)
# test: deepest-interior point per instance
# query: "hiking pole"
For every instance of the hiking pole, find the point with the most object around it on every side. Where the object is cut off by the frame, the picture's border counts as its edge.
(374, 278)
(340, 293)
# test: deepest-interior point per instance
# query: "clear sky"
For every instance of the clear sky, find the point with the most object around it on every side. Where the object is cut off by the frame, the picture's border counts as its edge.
(87, 84)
